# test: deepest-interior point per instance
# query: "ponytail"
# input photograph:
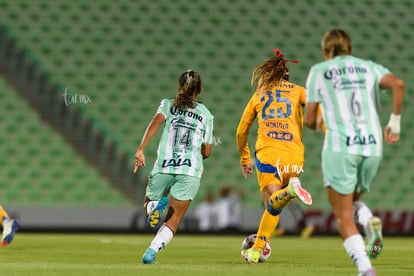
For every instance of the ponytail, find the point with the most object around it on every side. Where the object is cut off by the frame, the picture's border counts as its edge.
(189, 86)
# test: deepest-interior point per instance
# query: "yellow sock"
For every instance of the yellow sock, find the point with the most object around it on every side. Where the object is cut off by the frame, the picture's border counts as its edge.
(278, 200)
(267, 225)
(3, 214)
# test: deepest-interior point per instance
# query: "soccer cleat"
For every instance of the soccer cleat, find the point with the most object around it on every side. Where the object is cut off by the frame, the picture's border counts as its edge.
(10, 227)
(296, 191)
(373, 234)
(149, 256)
(251, 255)
(369, 272)
(154, 218)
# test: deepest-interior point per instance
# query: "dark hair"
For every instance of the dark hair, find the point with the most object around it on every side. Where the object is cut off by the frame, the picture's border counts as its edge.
(273, 69)
(189, 86)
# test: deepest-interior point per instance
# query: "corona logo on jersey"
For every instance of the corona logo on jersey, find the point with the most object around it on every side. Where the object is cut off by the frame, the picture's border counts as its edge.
(333, 73)
(175, 111)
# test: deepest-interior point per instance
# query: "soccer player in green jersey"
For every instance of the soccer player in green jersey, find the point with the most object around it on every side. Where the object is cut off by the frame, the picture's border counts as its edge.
(347, 88)
(185, 141)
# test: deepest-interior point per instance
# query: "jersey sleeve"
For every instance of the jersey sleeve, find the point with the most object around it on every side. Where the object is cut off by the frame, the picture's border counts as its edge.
(243, 129)
(164, 106)
(208, 135)
(313, 86)
(379, 71)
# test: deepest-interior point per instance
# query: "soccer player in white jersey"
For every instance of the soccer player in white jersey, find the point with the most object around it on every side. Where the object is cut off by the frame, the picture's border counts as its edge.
(186, 140)
(347, 88)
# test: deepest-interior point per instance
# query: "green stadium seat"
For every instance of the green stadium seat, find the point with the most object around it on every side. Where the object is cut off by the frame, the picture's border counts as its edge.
(127, 56)
(40, 168)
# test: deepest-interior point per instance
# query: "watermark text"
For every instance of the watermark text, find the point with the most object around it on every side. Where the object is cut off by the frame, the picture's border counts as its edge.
(75, 98)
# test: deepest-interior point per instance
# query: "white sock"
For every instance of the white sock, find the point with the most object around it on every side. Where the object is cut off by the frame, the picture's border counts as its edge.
(162, 238)
(355, 247)
(362, 213)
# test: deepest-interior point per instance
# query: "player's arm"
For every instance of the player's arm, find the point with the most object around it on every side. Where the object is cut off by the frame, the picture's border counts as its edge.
(242, 135)
(208, 139)
(396, 85)
(320, 125)
(205, 150)
(149, 133)
(311, 115)
(312, 99)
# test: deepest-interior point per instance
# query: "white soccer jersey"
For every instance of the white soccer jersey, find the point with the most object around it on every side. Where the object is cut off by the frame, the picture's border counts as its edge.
(347, 88)
(179, 149)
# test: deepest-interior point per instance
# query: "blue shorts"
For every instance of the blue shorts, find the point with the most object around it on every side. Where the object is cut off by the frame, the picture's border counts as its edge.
(348, 173)
(180, 186)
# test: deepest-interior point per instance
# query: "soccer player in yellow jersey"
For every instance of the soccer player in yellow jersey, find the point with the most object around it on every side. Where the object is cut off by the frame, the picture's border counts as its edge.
(279, 156)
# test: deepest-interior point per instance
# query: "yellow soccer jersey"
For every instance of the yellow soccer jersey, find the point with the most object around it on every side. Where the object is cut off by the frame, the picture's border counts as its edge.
(280, 119)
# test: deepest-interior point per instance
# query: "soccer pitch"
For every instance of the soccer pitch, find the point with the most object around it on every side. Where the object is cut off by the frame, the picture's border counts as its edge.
(118, 254)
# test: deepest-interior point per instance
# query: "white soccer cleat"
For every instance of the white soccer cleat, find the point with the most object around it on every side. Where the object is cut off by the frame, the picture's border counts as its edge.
(10, 227)
(295, 190)
(373, 234)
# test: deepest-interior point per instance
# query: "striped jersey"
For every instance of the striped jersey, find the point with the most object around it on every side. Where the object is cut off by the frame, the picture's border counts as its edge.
(185, 130)
(279, 111)
(347, 88)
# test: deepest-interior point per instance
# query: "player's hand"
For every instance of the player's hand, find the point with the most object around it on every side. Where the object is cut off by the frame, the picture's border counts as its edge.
(390, 137)
(246, 169)
(139, 160)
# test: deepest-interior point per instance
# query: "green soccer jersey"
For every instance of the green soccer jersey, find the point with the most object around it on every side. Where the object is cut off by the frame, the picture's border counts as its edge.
(347, 88)
(179, 150)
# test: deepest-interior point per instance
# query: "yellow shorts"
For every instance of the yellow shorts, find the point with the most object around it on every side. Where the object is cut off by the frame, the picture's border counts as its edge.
(274, 166)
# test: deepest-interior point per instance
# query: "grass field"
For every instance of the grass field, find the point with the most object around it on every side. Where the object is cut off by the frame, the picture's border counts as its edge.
(117, 254)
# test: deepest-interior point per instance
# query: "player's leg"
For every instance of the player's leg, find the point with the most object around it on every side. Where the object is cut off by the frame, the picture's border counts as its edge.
(353, 241)
(371, 224)
(156, 201)
(268, 223)
(155, 210)
(165, 234)
(341, 194)
(343, 211)
(285, 170)
(270, 179)
(268, 171)
(182, 193)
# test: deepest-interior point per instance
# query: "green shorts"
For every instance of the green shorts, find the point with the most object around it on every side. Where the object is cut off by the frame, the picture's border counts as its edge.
(180, 186)
(347, 173)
